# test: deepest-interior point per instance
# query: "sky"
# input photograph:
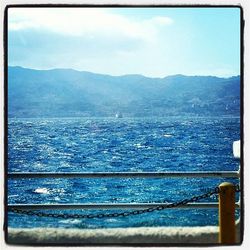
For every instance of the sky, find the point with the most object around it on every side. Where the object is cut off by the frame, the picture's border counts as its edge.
(154, 42)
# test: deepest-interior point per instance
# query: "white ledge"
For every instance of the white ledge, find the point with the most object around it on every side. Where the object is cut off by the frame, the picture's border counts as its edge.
(236, 149)
(118, 236)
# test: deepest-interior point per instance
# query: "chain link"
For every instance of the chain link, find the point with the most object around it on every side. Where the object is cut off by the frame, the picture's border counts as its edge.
(122, 214)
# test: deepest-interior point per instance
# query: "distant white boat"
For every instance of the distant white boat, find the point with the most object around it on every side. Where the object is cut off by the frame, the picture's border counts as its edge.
(236, 149)
(118, 115)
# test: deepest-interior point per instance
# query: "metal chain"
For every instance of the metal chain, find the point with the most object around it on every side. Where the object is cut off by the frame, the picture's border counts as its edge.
(122, 214)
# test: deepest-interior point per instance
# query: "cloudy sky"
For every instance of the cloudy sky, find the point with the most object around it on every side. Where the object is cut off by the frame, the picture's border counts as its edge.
(151, 41)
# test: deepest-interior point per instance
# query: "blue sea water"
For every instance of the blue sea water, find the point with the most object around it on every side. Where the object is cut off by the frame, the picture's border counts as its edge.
(127, 144)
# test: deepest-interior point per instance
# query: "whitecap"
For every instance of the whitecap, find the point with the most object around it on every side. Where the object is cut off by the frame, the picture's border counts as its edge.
(38, 165)
(12, 195)
(71, 221)
(58, 190)
(167, 135)
(41, 191)
(111, 220)
(116, 157)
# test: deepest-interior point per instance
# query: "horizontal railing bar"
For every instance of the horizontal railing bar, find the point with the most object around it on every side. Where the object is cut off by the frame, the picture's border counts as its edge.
(205, 174)
(111, 206)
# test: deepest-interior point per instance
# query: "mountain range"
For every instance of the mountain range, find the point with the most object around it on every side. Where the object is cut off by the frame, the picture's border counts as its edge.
(71, 93)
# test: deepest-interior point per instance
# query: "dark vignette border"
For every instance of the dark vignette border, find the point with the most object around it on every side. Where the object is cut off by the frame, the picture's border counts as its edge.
(242, 210)
(5, 42)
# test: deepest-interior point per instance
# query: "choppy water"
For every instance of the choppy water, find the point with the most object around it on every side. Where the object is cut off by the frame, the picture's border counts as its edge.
(107, 144)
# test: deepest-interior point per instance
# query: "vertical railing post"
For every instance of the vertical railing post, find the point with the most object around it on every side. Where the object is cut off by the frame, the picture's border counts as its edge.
(227, 232)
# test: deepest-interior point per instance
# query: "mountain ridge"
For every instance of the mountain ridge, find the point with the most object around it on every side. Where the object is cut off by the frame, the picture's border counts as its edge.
(123, 75)
(68, 92)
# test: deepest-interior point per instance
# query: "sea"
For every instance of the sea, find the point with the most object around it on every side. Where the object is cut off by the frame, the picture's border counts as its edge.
(119, 145)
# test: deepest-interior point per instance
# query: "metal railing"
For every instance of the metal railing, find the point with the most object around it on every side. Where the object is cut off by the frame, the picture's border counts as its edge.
(226, 192)
(204, 174)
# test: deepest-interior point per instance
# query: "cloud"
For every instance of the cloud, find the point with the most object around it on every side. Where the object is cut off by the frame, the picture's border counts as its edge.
(123, 40)
(87, 22)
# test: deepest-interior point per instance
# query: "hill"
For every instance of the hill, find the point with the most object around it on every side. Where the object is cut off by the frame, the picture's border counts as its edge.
(70, 93)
